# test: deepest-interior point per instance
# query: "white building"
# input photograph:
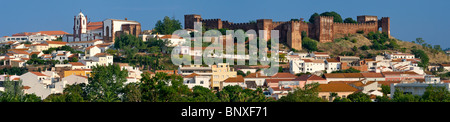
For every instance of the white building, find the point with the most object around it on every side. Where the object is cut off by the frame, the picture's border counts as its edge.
(37, 83)
(34, 36)
(194, 79)
(418, 88)
(332, 64)
(85, 43)
(399, 55)
(307, 65)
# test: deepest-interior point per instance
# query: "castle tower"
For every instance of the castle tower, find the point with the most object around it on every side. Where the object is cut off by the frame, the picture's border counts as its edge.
(324, 28)
(79, 25)
(264, 24)
(366, 19)
(386, 25)
(190, 19)
(294, 36)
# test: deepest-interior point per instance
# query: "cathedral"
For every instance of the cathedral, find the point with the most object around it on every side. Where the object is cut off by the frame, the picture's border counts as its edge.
(106, 30)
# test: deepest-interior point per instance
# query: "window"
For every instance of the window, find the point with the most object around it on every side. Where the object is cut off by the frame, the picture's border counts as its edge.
(201, 82)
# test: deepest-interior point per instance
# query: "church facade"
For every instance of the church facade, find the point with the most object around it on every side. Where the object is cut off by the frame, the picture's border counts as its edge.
(106, 30)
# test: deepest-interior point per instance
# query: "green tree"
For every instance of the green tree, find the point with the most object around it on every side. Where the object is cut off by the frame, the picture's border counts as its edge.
(359, 97)
(424, 59)
(420, 40)
(399, 96)
(349, 20)
(309, 44)
(385, 89)
(436, 94)
(163, 88)
(106, 83)
(167, 25)
(238, 94)
(336, 16)
(350, 70)
(309, 93)
(132, 93)
(364, 47)
(202, 94)
(13, 93)
(75, 93)
(312, 18)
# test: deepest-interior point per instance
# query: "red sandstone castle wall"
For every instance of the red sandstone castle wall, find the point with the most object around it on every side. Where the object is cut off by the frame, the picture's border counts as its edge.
(342, 29)
(323, 29)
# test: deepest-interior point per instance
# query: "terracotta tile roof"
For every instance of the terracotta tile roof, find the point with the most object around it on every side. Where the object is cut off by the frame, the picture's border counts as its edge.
(82, 76)
(87, 48)
(26, 87)
(39, 44)
(308, 77)
(320, 53)
(313, 61)
(369, 59)
(372, 75)
(256, 75)
(53, 32)
(281, 89)
(344, 75)
(24, 34)
(18, 52)
(399, 73)
(238, 78)
(337, 87)
(56, 42)
(191, 75)
(102, 54)
(332, 60)
(85, 41)
(38, 74)
(76, 64)
(284, 75)
(277, 80)
(361, 84)
(445, 65)
(94, 25)
(445, 81)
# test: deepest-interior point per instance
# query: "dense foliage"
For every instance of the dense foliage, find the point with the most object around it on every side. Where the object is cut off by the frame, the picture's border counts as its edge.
(349, 20)
(167, 26)
(350, 70)
(66, 48)
(424, 59)
(309, 44)
(309, 93)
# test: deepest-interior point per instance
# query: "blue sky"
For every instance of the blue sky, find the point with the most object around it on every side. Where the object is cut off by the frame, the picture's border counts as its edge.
(410, 19)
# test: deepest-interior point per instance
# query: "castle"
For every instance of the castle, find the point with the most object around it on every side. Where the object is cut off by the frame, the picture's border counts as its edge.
(323, 28)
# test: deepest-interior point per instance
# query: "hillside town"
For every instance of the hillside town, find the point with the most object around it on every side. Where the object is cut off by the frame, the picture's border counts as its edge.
(56, 59)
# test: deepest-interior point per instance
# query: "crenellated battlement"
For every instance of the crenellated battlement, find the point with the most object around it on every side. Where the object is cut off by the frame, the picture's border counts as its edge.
(357, 24)
(211, 20)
